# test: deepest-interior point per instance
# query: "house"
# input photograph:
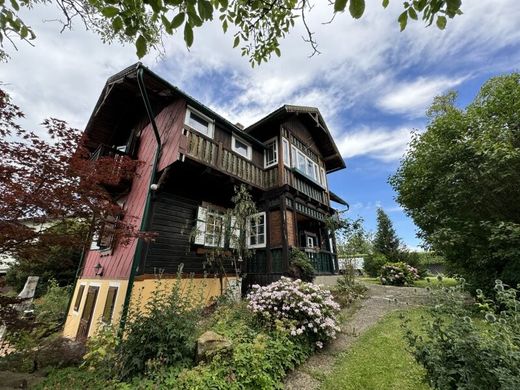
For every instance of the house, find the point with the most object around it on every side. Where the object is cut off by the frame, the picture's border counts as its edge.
(193, 159)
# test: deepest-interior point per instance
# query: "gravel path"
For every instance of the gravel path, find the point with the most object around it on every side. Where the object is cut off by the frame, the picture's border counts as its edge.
(380, 300)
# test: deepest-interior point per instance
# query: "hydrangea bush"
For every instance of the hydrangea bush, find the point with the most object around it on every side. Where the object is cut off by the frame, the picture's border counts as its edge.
(398, 274)
(299, 308)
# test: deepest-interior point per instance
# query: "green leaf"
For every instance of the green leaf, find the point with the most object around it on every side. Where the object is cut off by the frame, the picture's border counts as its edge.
(177, 20)
(385, 3)
(356, 8)
(412, 13)
(441, 22)
(237, 41)
(188, 35)
(15, 5)
(117, 24)
(339, 5)
(403, 20)
(140, 46)
(110, 12)
(224, 3)
(166, 24)
(277, 51)
(225, 26)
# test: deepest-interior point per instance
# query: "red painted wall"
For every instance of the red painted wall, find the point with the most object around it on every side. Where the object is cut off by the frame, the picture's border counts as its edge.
(170, 120)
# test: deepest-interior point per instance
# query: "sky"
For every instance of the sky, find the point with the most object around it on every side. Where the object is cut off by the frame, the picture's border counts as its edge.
(371, 82)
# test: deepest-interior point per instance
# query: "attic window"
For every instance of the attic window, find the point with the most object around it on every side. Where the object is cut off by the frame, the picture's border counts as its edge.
(199, 122)
(271, 153)
(241, 147)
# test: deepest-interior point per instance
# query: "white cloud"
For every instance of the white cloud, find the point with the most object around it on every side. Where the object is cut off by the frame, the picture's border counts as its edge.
(414, 97)
(384, 144)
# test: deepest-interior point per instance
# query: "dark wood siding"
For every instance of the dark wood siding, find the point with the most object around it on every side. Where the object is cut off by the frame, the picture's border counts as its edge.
(173, 219)
(300, 131)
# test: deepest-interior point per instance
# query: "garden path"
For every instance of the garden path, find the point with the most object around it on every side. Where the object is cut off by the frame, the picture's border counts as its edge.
(379, 301)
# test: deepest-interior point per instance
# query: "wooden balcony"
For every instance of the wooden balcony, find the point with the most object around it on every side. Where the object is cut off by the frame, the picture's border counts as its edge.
(116, 171)
(305, 186)
(322, 261)
(209, 152)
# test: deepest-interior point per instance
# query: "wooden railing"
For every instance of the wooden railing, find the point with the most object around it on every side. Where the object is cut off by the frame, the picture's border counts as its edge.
(304, 186)
(209, 152)
(322, 261)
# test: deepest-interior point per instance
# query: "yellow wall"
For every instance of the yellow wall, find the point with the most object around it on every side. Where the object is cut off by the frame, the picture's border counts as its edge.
(208, 288)
(73, 317)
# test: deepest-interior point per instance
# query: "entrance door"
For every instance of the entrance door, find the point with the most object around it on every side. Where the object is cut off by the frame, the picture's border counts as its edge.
(88, 311)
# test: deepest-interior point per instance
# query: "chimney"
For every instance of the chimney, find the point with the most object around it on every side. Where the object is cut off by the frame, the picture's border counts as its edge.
(239, 125)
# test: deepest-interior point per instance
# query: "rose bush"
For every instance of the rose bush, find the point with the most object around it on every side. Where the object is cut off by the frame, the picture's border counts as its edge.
(301, 309)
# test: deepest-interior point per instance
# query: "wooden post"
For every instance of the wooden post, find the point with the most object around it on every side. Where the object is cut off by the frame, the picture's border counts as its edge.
(285, 246)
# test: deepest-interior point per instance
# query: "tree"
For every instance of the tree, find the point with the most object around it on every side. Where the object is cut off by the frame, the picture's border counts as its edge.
(385, 240)
(258, 25)
(44, 184)
(355, 241)
(460, 182)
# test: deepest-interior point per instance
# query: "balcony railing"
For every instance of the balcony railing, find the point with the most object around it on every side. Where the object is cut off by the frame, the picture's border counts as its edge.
(117, 173)
(303, 185)
(207, 151)
(322, 261)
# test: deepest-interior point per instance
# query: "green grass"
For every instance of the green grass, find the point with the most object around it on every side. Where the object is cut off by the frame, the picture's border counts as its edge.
(378, 360)
(429, 281)
(432, 281)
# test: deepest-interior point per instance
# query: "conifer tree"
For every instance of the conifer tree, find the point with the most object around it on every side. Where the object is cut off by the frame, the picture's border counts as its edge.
(385, 241)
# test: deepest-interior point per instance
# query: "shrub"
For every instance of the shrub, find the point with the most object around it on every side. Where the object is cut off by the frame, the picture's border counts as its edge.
(461, 350)
(297, 307)
(398, 274)
(300, 266)
(373, 263)
(347, 289)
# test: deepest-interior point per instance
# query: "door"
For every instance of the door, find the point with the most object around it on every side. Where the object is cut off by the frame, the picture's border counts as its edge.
(86, 315)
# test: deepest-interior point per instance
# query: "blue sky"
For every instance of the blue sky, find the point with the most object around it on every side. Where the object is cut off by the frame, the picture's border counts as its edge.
(371, 82)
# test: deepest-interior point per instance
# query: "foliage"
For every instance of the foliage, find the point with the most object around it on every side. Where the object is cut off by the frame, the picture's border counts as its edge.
(373, 263)
(258, 25)
(355, 241)
(297, 307)
(300, 266)
(347, 289)
(459, 351)
(385, 239)
(164, 332)
(398, 274)
(75, 378)
(378, 359)
(50, 261)
(459, 182)
(51, 308)
(46, 182)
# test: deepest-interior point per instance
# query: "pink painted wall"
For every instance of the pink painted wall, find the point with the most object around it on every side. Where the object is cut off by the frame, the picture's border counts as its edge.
(170, 120)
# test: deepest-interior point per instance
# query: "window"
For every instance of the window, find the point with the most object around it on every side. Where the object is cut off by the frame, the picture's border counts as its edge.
(241, 147)
(286, 155)
(108, 311)
(271, 153)
(311, 242)
(323, 177)
(209, 229)
(308, 167)
(77, 302)
(199, 122)
(256, 231)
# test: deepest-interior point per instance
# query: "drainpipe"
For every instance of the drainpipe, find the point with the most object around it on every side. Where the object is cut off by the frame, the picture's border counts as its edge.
(144, 220)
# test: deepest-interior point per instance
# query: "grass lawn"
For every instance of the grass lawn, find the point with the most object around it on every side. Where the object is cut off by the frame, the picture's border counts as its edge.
(429, 281)
(378, 360)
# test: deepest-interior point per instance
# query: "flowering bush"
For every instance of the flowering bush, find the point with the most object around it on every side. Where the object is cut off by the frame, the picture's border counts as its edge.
(296, 307)
(398, 274)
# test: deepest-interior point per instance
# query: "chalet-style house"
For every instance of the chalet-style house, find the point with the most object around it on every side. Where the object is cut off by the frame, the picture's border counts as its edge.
(193, 159)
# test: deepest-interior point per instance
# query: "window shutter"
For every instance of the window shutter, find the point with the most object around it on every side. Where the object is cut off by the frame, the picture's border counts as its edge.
(201, 225)
(235, 233)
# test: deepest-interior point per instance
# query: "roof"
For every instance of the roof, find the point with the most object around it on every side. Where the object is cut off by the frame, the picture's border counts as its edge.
(160, 90)
(337, 199)
(332, 157)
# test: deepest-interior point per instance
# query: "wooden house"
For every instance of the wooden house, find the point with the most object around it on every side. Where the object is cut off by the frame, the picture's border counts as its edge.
(193, 159)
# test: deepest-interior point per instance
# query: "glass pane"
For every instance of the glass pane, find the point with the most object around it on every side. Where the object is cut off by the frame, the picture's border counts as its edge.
(241, 148)
(261, 239)
(198, 123)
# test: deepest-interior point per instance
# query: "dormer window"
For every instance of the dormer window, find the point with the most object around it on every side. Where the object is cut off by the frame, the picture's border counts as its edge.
(271, 153)
(199, 122)
(241, 147)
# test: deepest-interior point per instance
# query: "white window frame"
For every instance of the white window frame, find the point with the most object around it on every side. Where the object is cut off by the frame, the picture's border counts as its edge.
(310, 242)
(211, 122)
(201, 226)
(251, 217)
(217, 216)
(273, 163)
(316, 169)
(286, 152)
(323, 178)
(249, 152)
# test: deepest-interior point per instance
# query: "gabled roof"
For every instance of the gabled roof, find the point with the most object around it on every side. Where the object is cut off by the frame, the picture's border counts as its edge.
(331, 155)
(121, 89)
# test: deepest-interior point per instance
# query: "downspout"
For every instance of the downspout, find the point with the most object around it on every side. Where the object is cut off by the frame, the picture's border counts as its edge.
(144, 220)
